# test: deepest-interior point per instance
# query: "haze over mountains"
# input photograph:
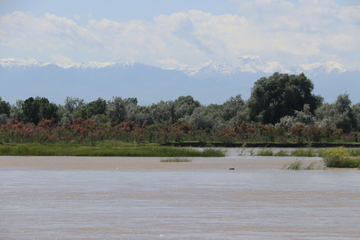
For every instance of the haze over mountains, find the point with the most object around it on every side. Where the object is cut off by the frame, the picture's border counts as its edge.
(209, 83)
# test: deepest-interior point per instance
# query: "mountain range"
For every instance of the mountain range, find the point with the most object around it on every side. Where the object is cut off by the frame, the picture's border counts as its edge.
(208, 83)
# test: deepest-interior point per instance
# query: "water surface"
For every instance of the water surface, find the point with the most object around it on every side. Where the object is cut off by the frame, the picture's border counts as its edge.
(44, 198)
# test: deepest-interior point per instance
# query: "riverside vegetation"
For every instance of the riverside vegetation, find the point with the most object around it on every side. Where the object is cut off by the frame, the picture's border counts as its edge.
(334, 157)
(143, 151)
(281, 109)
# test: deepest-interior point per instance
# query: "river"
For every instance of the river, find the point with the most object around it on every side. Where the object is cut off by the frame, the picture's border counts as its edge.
(142, 198)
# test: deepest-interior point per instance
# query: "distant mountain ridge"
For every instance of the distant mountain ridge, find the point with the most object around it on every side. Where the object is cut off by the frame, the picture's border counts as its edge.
(25, 63)
(209, 83)
(256, 65)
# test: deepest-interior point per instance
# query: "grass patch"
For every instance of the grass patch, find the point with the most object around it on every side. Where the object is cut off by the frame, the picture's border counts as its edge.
(293, 166)
(145, 151)
(340, 158)
(265, 152)
(281, 154)
(354, 152)
(252, 152)
(303, 153)
(213, 152)
(176, 160)
(311, 166)
(298, 165)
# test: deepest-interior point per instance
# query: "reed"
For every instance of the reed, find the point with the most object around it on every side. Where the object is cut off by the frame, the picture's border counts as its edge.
(281, 154)
(293, 166)
(298, 165)
(145, 151)
(265, 152)
(303, 153)
(214, 152)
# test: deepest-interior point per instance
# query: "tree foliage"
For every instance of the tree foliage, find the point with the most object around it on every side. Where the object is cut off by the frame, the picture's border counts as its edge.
(338, 114)
(33, 110)
(280, 95)
(4, 111)
(4, 107)
(91, 109)
(277, 104)
(184, 106)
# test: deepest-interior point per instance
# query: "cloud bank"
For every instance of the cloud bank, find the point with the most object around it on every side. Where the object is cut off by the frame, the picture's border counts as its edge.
(313, 31)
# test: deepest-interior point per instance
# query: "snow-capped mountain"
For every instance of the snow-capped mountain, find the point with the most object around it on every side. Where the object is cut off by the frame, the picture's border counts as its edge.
(247, 64)
(256, 65)
(26, 63)
(19, 63)
(209, 83)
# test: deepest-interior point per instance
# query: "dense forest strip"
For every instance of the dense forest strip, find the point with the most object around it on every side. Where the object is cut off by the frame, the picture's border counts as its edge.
(281, 109)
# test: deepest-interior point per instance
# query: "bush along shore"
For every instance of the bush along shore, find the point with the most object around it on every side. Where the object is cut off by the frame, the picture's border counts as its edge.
(87, 132)
(340, 158)
(332, 158)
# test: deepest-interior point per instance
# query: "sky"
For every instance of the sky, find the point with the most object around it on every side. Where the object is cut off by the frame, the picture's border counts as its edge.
(173, 34)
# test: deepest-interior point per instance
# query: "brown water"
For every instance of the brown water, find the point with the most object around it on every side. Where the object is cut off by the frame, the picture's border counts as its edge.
(141, 198)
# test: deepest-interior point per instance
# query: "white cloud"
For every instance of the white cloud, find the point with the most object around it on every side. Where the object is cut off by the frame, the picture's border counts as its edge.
(77, 17)
(62, 60)
(275, 30)
(26, 32)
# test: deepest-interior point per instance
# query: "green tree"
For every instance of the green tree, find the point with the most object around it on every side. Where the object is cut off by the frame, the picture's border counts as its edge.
(356, 111)
(16, 110)
(184, 106)
(33, 110)
(337, 115)
(235, 109)
(116, 110)
(91, 109)
(163, 112)
(4, 107)
(70, 107)
(280, 95)
(202, 119)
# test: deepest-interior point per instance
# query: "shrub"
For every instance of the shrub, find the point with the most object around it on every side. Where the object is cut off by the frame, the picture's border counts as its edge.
(244, 130)
(267, 132)
(226, 135)
(314, 133)
(265, 152)
(339, 157)
(328, 133)
(298, 132)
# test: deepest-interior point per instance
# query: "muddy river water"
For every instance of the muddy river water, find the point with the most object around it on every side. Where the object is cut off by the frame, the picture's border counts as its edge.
(143, 198)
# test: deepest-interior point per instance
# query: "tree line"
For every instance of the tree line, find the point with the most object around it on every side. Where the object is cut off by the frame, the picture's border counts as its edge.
(280, 99)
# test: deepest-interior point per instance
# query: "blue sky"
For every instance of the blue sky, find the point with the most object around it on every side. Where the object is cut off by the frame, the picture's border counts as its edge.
(173, 34)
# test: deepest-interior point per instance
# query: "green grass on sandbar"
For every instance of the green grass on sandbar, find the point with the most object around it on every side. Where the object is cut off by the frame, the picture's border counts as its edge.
(144, 151)
(176, 160)
(265, 152)
(303, 153)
